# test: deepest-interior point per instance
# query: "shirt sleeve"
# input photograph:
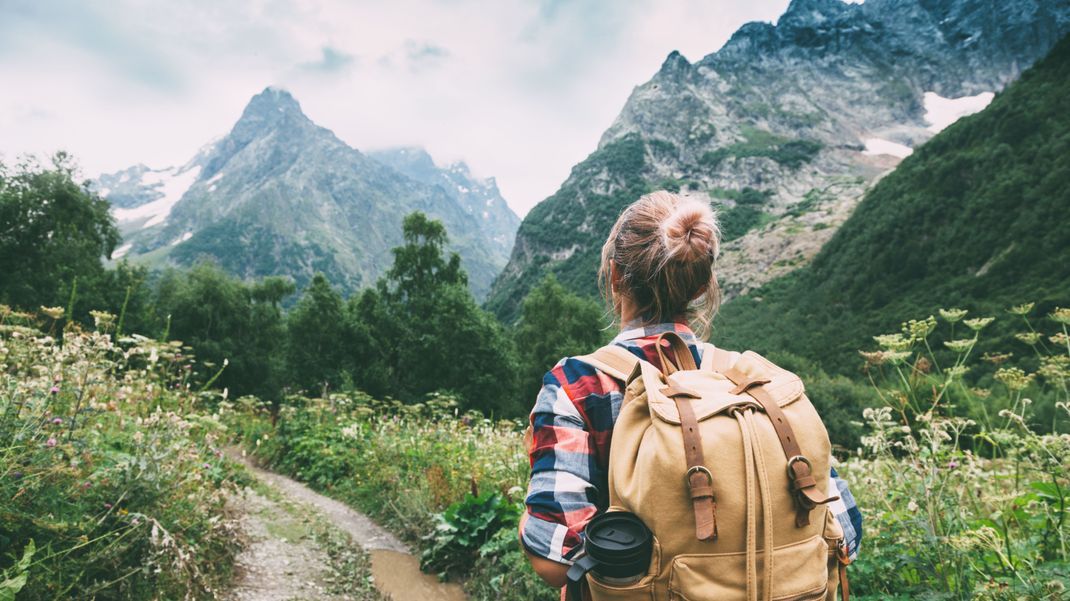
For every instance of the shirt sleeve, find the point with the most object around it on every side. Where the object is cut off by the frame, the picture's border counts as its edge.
(561, 498)
(848, 514)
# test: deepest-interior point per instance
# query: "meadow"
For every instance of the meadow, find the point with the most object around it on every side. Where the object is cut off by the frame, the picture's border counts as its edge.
(115, 483)
(962, 472)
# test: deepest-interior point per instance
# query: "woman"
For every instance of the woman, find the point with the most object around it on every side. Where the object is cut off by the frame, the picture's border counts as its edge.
(657, 274)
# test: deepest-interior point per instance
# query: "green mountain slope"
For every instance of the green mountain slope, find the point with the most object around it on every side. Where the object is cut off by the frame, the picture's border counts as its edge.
(978, 218)
(782, 129)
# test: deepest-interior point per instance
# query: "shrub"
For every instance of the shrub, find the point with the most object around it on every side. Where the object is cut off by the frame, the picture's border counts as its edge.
(107, 467)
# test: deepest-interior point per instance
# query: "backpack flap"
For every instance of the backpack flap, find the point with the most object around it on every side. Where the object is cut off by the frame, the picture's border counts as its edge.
(713, 393)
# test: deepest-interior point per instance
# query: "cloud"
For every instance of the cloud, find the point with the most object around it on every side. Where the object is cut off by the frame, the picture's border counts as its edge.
(520, 90)
(332, 61)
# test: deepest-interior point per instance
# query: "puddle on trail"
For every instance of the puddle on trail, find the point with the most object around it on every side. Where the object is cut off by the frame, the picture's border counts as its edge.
(398, 575)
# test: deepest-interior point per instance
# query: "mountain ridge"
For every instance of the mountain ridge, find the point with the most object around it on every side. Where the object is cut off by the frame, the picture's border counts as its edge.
(281, 195)
(997, 237)
(783, 129)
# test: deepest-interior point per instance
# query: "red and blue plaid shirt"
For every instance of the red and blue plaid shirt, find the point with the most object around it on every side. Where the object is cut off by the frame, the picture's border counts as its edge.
(572, 425)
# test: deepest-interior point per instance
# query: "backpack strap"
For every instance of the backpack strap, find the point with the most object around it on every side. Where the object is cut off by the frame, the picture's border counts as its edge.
(614, 360)
(684, 359)
(715, 359)
(800, 471)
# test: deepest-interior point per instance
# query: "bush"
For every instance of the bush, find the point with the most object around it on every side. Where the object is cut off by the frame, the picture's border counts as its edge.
(964, 497)
(108, 468)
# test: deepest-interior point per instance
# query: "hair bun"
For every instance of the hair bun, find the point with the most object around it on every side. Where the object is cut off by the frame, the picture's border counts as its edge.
(690, 231)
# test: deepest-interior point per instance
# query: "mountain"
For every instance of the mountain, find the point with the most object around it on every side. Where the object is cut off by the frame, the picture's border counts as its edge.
(280, 195)
(783, 129)
(977, 218)
(479, 197)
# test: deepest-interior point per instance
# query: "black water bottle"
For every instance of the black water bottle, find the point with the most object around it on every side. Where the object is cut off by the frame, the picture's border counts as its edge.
(616, 550)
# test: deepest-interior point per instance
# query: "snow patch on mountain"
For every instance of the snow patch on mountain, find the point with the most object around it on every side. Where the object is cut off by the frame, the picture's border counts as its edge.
(877, 146)
(172, 183)
(941, 112)
(122, 250)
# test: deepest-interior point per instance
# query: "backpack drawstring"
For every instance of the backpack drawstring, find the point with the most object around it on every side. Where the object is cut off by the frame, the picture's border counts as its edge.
(754, 464)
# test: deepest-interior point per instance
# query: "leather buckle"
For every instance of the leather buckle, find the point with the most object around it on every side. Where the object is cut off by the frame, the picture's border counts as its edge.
(791, 471)
(696, 469)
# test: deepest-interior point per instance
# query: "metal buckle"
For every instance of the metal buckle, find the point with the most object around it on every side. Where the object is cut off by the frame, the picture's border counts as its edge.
(695, 469)
(791, 472)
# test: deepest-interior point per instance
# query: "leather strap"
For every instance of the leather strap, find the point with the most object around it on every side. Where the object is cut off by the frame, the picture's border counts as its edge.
(800, 471)
(699, 478)
(845, 589)
(684, 359)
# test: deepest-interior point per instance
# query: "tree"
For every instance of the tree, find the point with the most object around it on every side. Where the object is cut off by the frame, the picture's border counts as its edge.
(554, 323)
(52, 230)
(421, 331)
(219, 317)
(315, 334)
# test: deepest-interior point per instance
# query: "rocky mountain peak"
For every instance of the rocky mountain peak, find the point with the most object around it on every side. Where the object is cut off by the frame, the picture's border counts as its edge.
(270, 109)
(674, 64)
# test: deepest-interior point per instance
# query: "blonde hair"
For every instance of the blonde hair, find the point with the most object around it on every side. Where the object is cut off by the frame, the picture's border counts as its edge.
(664, 247)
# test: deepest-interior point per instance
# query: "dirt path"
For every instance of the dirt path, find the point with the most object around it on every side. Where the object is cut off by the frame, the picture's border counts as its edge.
(280, 567)
(281, 562)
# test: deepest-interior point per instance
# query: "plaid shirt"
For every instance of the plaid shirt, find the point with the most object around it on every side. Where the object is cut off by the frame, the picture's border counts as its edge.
(572, 424)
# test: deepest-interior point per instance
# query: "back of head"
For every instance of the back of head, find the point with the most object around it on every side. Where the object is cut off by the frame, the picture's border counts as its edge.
(663, 248)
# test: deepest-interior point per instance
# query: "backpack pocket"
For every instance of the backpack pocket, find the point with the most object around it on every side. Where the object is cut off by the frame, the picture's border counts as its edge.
(837, 555)
(800, 573)
(636, 591)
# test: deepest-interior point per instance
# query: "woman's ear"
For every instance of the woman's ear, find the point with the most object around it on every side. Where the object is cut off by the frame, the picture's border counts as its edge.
(614, 277)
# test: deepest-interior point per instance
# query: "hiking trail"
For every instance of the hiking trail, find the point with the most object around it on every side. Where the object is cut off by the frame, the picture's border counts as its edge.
(285, 561)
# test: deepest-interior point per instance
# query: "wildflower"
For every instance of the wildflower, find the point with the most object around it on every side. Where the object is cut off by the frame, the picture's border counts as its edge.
(897, 357)
(107, 506)
(54, 390)
(912, 506)
(952, 464)
(57, 421)
(86, 485)
(1014, 378)
(53, 312)
(997, 358)
(978, 323)
(919, 329)
(895, 342)
(1061, 339)
(51, 442)
(1061, 315)
(957, 371)
(1022, 309)
(960, 346)
(102, 320)
(953, 315)
(1030, 338)
(1055, 368)
(872, 357)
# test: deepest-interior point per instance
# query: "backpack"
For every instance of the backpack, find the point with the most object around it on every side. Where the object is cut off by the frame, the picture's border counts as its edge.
(722, 462)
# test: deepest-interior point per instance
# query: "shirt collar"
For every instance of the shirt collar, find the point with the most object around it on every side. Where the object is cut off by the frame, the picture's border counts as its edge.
(636, 329)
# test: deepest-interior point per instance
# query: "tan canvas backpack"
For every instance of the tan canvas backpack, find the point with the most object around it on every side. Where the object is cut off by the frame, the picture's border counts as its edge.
(723, 462)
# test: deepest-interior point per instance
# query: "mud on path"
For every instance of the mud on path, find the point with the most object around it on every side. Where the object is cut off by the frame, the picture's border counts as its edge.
(281, 565)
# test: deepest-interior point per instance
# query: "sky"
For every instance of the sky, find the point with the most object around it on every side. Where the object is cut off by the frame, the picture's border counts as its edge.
(519, 89)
